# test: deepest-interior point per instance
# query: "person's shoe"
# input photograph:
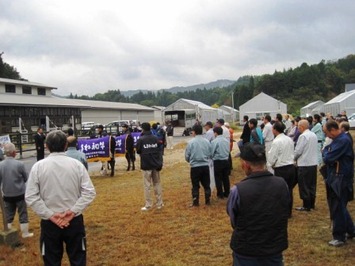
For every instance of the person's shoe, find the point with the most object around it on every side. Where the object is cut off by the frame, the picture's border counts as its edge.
(350, 236)
(302, 209)
(160, 206)
(24, 230)
(194, 205)
(128, 168)
(146, 208)
(336, 243)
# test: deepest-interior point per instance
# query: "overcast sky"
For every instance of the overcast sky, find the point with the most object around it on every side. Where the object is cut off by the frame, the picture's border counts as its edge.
(86, 47)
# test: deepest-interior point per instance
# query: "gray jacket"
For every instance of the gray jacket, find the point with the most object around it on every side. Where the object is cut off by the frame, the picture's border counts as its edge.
(13, 177)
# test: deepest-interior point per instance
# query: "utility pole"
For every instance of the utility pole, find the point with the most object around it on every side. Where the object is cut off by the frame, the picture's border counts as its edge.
(232, 106)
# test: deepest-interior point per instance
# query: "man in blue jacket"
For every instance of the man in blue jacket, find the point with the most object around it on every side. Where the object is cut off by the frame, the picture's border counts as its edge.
(339, 157)
(198, 153)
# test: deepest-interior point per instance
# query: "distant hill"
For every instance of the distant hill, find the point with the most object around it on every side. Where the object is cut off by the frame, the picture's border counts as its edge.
(222, 83)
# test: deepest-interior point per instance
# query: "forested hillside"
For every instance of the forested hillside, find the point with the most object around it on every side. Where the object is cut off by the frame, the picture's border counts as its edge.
(296, 87)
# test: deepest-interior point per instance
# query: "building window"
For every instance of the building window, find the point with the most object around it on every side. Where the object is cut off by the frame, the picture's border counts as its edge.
(41, 91)
(9, 88)
(26, 90)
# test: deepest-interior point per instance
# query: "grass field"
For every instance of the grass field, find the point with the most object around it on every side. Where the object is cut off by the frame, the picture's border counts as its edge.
(118, 233)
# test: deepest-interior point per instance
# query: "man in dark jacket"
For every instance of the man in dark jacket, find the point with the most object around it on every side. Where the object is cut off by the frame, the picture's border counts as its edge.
(245, 137)
(39, 141)
(258, 207)
(129, 146)
(151, 164)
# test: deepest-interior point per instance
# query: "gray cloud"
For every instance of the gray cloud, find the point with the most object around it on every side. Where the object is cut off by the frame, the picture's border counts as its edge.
(87, 47)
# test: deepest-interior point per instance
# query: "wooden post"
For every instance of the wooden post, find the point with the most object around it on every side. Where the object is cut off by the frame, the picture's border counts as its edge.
(3, 212)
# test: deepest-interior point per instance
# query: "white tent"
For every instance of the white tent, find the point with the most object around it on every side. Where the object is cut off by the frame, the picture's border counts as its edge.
(312, 108)
(343, 102)
(261, 105)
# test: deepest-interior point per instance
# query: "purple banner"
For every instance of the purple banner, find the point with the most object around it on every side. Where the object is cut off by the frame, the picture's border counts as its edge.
(98, 148)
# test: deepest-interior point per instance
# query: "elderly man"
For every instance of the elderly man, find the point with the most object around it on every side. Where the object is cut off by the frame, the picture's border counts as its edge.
(74, 153)
(307, 161)
(280, 157)
(13, 178)
(339, 158)
(258, 210)
(58, 190)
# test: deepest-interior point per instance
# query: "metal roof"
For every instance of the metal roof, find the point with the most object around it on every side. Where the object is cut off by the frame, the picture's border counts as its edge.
(27, 83)
(313, 104)
(40, 100)
(199, 104)
(341, 97)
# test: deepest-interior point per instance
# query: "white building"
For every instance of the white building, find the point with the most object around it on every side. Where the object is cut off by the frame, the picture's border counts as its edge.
(343, 102)
(184, 113)
(261, 105)
(312, 108)
(24, 106)
(229, 113)
(159, 113)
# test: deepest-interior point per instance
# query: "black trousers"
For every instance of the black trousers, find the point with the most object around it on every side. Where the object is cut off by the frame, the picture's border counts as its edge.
(221, 175)
(40, 153)
(53, 237)
(200, 174)
(288, 173)
(307, 185)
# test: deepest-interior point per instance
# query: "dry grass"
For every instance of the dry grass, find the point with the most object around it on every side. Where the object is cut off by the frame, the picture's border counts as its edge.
(120, 234)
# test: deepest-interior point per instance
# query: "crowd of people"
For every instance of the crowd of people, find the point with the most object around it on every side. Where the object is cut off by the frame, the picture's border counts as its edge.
(275, 156)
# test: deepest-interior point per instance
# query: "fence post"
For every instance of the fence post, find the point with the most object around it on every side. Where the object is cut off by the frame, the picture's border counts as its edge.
(19, 138)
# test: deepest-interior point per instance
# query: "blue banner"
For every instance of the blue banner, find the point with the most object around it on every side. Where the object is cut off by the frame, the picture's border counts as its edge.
(97, 149)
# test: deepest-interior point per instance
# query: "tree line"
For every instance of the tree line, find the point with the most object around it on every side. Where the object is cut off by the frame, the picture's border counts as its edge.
(296, 87)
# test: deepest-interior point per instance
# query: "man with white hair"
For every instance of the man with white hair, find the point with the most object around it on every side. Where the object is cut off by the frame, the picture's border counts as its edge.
(307, 161)
(13, 178)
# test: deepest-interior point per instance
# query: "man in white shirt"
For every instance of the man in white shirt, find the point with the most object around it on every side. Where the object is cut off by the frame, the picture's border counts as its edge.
(226, 134)
(307, 160)
(58, 190)
(280, 157)
(268, 137)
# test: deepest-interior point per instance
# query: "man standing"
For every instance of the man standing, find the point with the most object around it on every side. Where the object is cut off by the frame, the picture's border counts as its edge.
(268, 137)
(39, 141)
(151, 164)
(74, 153)
(170, 135)
(129, 146)
(307, 160)
(220, 155)
(220, 123)
(258, 211)
(58, 190)
(280, 157)
(256, 135)
(339, 158)
(198, 153)
(209, 131)
(245, 137)
(13, 178)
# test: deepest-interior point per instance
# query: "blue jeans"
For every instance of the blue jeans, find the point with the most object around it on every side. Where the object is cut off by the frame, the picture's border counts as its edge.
(274, 260)
(342, 222)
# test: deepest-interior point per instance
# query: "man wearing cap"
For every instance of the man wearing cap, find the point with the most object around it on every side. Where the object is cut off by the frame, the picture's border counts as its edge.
(258, 210)
(151, 165)
(198, 154)
(209, 131)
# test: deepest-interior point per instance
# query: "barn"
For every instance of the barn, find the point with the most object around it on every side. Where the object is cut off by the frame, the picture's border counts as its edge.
(261, 105)
(343, 102)
(229, 114)
(312, 108)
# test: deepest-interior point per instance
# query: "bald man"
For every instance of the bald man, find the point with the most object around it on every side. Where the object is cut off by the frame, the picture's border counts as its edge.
(307, 160)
